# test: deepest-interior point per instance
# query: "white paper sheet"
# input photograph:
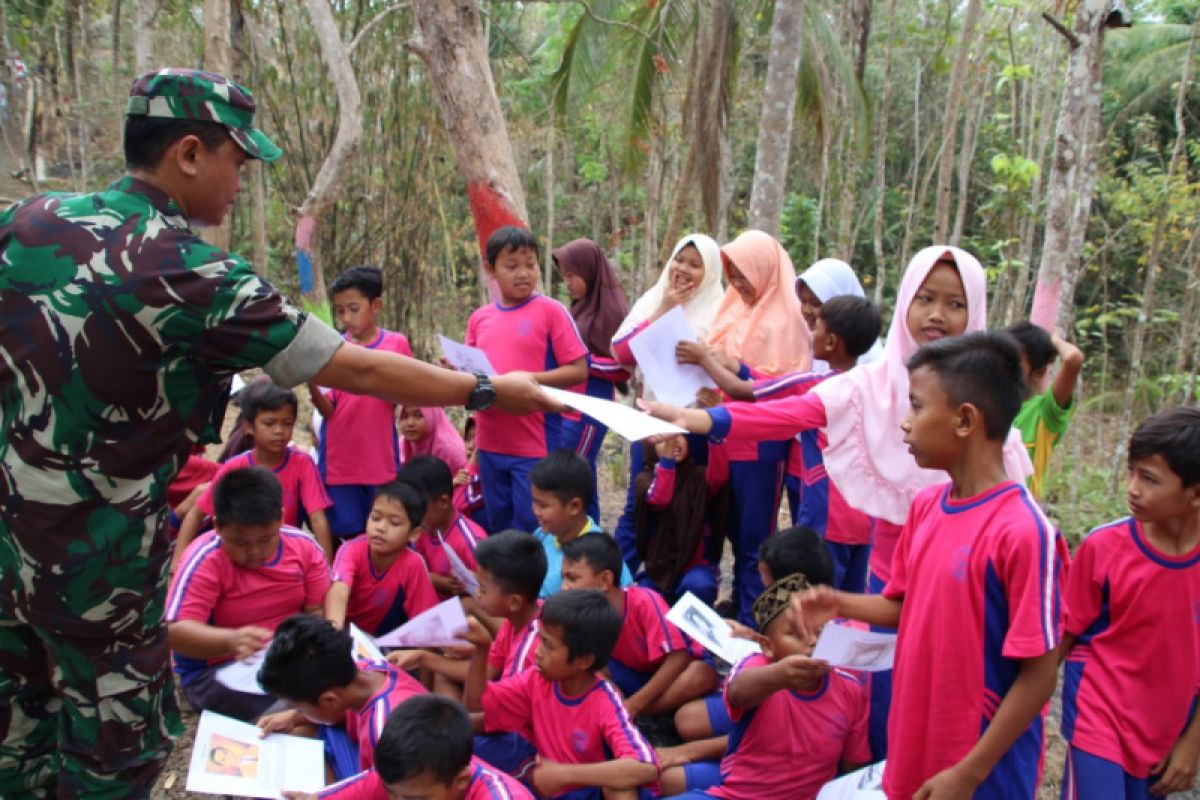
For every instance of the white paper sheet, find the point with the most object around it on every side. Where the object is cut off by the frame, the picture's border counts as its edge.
(704, 625)
(362, 646)
(465, 358)
(654, 348)
(863, 784)
(229, 758)
(852, 648)
(437, 627)
(242, 676)
(627, 422)
(464, 575)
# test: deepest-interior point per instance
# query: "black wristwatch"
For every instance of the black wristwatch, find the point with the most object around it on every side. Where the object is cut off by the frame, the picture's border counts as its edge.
(483, 396)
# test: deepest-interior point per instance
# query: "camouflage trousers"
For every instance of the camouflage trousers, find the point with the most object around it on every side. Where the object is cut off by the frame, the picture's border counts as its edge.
(87, 702)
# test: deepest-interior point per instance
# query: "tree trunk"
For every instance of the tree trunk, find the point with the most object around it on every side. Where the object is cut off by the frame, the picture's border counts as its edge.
(116, 35)
(1068, 194)
(450, 42)
(217, 58)
(681, 197)
(143, 35)
(775, 120)
(548, 266)
(258, 200)
(966, 158)
(83, 117)
(1136, 356)
(881, 131)
(328, 183)
(941, 214)
(711, 117)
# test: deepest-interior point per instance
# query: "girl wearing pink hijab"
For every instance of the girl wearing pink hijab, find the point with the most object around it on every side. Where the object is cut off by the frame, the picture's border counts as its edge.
(429, 432)
(943, 293)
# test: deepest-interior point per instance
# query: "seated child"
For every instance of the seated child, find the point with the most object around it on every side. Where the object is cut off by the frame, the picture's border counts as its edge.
(310, 666)
(512, 566)
(379, 582)
(575, 720)
(654, 665)
(790, 551)
(442, 526)
(562, 486)
(1132, 642)
(798, 723)
(268, 415)
(671, 507)
(468, 491)
(235, 584)
(425, 752)
(1045, 413)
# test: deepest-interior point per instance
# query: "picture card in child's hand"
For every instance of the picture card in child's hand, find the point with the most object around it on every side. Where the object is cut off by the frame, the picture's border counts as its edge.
(654, 348)
(440, 626)
(465, 358)
(629, 423)
(362, 646)
(704, 625)
(852, 648)
(230, 758)
(459, 569)
(242, 676)
(862, 784)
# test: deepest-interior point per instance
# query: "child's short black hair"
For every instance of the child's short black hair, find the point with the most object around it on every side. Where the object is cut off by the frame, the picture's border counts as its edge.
(566, 475)
(1173, 434)
(406, 495)
(983, 369)
(307, 657)
(799, 549)
(855, 320)
(259, 396)
(366, 279)
(589, 623)
(510, 237)
(148, 138)
(425, 734)
(429, 474)
(248, 496)
(516, 560)
(1035, 343)
(598, 550)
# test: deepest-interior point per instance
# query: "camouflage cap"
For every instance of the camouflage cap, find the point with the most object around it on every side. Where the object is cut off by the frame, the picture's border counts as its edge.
(176, 93)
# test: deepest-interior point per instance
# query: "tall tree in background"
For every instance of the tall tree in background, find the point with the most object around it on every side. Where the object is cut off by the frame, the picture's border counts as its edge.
(218, 57)
(958, 77)
(777, 116)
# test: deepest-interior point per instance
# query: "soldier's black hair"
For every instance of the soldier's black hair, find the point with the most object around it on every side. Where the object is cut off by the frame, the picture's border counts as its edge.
(248, 496)
(855, 320)
(259, 396)
(147, 138)
(983, 369)
(564, 474)
(426, 734)
(366, 279)
(1035, 343)
(516, 561)
(510, 237)
(589, 623)
(599, 551)
(1173, 434)
(429, 474)
(307, 657)
(406, 495)
(799, 549)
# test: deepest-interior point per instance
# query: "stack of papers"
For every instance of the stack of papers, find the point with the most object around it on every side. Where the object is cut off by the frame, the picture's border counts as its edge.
(229, 757)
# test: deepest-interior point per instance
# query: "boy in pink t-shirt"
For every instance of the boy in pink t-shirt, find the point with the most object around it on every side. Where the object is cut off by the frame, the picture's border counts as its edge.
(585, 740)
(268, 414)
(1132, 640)
(310, 666)
(529, 332)
(358, 447)
(235, 585)
(379, 582)
(975, 576)
(443, 527)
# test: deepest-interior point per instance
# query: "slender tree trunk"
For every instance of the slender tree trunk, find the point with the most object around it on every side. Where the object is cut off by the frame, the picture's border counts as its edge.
(1140, 330)
(450, 42)
(328, 183)
(548, 262)
(143, 35)
(258, 199)
(83, 117)
(769, 188)
(711, 116)
(1190, 327)
(941, 214)
(914, 196)
(1068, 193)
(681, 197)
(116, 35)
(966, 157)
(881, 132)
(218, 57)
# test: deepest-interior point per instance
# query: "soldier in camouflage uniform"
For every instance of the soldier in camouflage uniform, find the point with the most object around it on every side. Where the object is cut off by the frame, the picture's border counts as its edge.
(120, 331)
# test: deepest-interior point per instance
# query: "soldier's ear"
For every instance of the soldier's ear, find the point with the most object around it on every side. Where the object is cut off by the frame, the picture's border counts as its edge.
(185, 154)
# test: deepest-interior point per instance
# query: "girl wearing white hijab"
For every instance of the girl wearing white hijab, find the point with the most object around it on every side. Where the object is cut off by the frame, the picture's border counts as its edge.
(692, 280)
(820, 283)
